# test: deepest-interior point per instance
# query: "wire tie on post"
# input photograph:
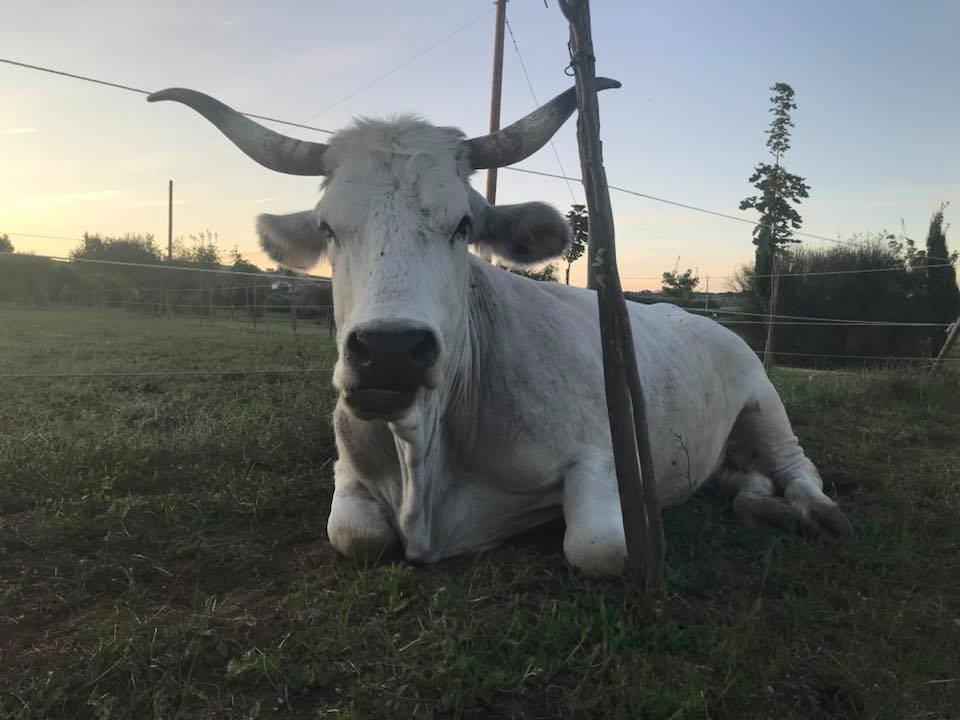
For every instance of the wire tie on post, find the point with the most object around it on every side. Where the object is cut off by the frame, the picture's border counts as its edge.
(576, 57)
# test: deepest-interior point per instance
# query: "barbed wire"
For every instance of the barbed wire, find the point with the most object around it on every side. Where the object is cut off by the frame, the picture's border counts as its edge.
(562, 176)
(162, 373)
(812, 273)
(536, 104)
(695, 208)
(175, 268)
(820, 323)
(833, 321)
(141, 91)
(897, 358)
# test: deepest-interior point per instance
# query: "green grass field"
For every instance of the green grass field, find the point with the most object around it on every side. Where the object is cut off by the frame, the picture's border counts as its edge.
(163, 555)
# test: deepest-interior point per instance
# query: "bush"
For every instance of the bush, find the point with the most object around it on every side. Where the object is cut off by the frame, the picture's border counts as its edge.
(544, 273)
(892, 292)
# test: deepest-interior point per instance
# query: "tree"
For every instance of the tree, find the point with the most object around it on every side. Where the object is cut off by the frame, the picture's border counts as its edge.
(204, 250)
(240, 263)
(132, 248)
(905, 247)
(679, 285)
(547, 273)
(5, 244)
(942, 291)
(779, 192)
(579, 235)
(867, 280)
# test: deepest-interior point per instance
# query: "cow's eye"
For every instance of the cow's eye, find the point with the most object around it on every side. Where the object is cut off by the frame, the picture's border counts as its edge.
(463, 229)
(327, 232)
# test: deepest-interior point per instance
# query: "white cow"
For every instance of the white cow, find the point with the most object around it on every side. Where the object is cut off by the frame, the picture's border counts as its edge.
(471, 403)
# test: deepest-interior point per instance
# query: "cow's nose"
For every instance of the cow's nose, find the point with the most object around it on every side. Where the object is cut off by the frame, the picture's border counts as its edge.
(391, 358)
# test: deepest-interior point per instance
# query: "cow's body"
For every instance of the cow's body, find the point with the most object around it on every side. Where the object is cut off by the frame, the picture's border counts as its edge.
(471, 400)
(521, 433)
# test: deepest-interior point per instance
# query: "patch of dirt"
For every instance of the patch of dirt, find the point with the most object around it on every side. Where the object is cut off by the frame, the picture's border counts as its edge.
(44, 618)
(843, 481)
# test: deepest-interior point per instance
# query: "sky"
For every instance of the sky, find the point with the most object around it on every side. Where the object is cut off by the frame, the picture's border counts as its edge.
(877, 128)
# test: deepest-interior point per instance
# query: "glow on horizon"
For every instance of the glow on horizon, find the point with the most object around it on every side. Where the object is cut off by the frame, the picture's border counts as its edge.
(873, 135)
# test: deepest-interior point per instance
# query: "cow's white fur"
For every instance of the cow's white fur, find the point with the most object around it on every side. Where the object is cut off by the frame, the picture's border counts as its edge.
(511, 427)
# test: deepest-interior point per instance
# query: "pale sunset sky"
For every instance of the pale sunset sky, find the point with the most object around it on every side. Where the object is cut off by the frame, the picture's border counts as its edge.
(877, 131)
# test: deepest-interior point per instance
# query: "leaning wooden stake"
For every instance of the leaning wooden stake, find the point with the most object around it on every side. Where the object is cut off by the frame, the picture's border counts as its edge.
(633, 459)
(952, 333)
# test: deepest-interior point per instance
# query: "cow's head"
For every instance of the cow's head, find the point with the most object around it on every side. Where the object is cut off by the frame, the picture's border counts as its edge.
(395, 221)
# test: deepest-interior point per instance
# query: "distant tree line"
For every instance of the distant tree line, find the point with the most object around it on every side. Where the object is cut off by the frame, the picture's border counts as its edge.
(882, 278)
(36, 280)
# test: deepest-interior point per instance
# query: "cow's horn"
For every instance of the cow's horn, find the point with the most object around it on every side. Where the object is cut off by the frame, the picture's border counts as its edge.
(270, 149)
(526, 136)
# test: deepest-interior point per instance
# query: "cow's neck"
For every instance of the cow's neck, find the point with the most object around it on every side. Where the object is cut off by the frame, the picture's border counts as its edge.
(436, 437)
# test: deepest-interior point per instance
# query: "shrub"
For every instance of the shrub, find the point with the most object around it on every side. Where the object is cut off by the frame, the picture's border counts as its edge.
(891, 292)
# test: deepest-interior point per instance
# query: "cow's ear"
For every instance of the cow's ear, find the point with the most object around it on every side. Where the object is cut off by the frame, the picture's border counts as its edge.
(294, 240)
(522, 234)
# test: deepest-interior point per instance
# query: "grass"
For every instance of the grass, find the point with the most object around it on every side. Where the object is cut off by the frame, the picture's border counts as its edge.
(163, 555)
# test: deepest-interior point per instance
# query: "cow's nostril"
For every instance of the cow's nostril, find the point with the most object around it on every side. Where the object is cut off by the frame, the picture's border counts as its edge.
(357, 352)
(424, 353)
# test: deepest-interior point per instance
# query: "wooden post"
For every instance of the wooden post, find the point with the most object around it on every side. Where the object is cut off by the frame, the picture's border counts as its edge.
(254, 288)
(293, 305)
(170, 222)
(210, 302)
(626, 408)
(952, 333)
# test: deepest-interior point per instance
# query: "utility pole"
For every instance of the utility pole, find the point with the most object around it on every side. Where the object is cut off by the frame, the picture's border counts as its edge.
(495, 93)
(706, 295)
(170, 222)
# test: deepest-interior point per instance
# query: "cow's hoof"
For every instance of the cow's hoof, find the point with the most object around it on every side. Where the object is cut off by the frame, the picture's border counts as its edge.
(365, 546)
(772, 513)
(826, 519)
(596, 558)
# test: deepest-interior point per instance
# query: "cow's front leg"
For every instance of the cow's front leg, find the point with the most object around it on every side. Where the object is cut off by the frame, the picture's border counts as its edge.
(358, 526)
(594, 542)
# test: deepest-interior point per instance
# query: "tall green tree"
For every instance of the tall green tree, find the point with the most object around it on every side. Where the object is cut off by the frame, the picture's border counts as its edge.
(779, 192)
(579, 235)
(941, 281)
(5, 244)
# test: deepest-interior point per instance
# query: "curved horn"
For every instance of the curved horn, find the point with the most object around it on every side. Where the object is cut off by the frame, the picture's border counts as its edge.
(526, 136)
(270, 149)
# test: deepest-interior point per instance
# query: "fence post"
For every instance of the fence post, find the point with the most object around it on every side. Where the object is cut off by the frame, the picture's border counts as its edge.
(952, 333)
(254, 288)
(626, 408)
(293, 305)
(210, 302)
